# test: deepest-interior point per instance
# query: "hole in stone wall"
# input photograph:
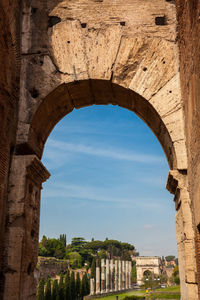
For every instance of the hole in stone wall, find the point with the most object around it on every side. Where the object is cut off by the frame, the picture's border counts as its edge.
(30, 188)
(32, 233)
(41, 62)
(34, 93)
(83, 25)
(34, 10)
(12, 150)
(144, 69)
(53, 20)
(68, 42)
(29, 269)
(198, 227)
(122, 23)
(170, 92)
(160, 21)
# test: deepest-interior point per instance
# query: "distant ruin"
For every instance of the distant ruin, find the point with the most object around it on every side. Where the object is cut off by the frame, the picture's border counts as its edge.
(57, 56)
(111, 276)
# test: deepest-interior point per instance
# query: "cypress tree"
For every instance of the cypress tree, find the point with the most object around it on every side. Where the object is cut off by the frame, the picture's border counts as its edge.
(61, 288)
(78, 286)
(87, 284)
(73, 286)
(85, 289)
(54, 290)
(68, 286)
(93, 268)
(40, 295)
(47, 295)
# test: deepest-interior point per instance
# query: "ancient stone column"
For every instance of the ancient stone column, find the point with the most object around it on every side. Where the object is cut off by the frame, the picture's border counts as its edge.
(102, 276)
(120, 275)
(111, 276)
(98, 280)
(116, 275)
(91, 286)
(123, 275)
(130, 275)
(127, 274)
(27, 175)
(107, 276)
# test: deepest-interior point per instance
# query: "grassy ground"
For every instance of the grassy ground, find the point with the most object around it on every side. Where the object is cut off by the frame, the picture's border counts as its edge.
(166, 293)
(122, 295)
(172, 292)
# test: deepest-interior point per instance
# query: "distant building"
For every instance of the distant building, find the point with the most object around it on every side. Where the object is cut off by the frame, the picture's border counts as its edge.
(147, 263)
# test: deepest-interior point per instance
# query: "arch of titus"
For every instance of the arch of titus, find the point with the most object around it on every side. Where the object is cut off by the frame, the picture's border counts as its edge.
(57, 56)
(147, 263)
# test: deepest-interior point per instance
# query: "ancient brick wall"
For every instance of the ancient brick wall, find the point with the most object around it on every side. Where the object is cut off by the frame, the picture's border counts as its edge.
(9, 89)
(188, 13)
(61, 60)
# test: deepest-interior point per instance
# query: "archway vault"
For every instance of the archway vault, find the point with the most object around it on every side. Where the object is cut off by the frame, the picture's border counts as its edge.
(85, 53)
(166, 123)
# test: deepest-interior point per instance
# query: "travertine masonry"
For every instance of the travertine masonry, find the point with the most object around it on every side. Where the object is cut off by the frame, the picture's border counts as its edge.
(57, 56)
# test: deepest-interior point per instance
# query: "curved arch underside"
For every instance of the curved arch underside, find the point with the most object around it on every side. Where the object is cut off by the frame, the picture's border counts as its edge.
(78, 94)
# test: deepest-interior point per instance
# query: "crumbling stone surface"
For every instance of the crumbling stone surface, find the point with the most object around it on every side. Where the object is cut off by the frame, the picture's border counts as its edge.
(188, 13)
(9, 94)
(141, 55)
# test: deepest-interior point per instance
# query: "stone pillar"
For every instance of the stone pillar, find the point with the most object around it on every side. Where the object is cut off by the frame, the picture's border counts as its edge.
(130, 275)
(120, 275)
(116, 275)
(91, 286)
(127, 274)
(177, 184)
(103, 276)
(111, 276)
(27, 175)
(98, 280)
(107, 276)
(123, 275)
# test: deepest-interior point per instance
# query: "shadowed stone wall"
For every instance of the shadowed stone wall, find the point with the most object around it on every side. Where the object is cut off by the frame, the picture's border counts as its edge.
(9, 94)
(84, 52)
(188, 13)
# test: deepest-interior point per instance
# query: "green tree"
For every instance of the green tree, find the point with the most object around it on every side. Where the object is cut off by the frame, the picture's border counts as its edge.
(54, 290)
(47, 294)
(175, 276)
(52, 247)
(93, 268)
(63, 239)
(61, 288)
(77, 244)
(40, 295)
(75, 260)
(42, 251)
(134, 272)
(68, 286)
(85, 289)
(78, 286)
(73, 286)
(170, 257)
(95, 246)
(102, 254)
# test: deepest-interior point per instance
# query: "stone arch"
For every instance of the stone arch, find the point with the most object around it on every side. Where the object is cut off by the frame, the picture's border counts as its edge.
(75, 55)
(147, 272)
(66, 97)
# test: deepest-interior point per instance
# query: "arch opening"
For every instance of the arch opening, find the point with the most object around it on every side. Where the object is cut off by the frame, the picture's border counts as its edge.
(78, 94)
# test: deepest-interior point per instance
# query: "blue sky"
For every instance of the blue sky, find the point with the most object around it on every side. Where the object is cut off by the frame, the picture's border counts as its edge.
(108, 177)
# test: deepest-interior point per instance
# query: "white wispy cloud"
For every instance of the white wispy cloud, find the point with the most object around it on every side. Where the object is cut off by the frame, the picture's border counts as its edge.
(94, 194)
(148, 226)
(112, 153)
